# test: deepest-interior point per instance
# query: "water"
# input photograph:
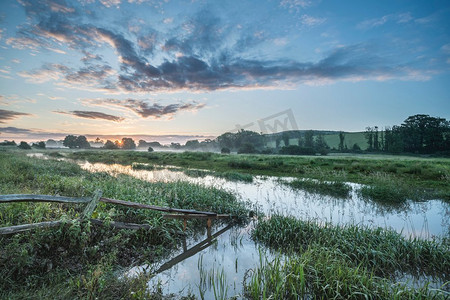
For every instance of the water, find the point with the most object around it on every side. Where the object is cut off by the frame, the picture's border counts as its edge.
(229, 253)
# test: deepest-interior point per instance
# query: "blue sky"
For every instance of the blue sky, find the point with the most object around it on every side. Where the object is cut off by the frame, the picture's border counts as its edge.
(199, 68)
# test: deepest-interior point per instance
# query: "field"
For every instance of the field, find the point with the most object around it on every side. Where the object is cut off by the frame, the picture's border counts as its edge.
(80, 260)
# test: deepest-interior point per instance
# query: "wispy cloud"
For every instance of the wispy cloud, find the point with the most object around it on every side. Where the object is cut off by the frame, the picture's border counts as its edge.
(91, 115)
(376, 22)
(8, 115)
(144, 109)
(204, 53)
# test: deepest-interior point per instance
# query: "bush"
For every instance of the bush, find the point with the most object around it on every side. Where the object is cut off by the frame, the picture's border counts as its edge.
(150, 149)
(225, 150)
(24, 145)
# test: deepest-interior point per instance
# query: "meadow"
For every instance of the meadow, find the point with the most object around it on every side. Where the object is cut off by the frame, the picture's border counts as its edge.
(80, 260)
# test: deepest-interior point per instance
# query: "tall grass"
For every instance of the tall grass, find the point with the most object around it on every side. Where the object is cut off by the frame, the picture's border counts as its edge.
(333, 188)
(42, 260)
(331, 261)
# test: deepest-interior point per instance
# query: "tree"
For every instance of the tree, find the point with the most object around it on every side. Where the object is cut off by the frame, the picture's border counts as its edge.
(110, 145)
(192, 144)
(81, 142)
(309, 139)
(321, 145)
(70, 141)
(24, 145)
(128, 143)
(341, 141)
(225, 150)
(73, 141)
(369, 136)
(39, 145)
(285, 137)
(247, 148)
(376, 143)
(150, 149)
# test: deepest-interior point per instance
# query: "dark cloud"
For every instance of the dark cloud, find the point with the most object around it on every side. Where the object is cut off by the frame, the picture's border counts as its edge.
(14, 130)
(92, 115)
(144, 109)
(8, 115)
(202, 53)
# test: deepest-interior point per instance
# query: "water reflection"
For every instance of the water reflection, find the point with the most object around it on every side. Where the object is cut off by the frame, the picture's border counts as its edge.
(228, 254)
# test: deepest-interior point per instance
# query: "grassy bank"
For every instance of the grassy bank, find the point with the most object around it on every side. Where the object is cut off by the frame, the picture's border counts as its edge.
(79, 259)
(420, 178)
(327, 261)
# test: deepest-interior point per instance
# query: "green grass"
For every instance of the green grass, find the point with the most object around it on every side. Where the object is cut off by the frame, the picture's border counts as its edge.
(427, 177)
(334, 188)
(327, 261)
(78, 259)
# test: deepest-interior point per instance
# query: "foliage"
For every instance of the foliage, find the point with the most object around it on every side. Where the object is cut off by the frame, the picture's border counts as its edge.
(150, 149)
(128, 143)
(225, 150)
(73, 141)
(80, 258)
(334, 188)
(330, 261)
(24, 145)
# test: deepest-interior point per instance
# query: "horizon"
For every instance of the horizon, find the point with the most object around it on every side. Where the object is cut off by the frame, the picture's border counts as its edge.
(181, 71)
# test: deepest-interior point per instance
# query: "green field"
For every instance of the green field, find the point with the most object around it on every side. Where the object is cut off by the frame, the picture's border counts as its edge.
(81, 260)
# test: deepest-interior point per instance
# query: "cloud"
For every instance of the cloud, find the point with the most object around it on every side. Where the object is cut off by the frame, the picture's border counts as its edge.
(7, 115)
(144, 109)
(14, 130)
(295, 5)
(376, 22)
(92, 115)
(204, 53)
(110, 3)
(311, 21)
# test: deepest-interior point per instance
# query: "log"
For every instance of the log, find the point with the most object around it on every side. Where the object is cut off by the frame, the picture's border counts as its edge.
(179, 216)
(157, 208)
(41, 198)
(26, 227)
(121, 225)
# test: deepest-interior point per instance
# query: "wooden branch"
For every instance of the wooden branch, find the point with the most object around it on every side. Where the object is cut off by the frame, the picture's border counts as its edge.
(179, 216)
(157, 208)
(121, 225)
(90, 207)
(41, 198)
(26, 227)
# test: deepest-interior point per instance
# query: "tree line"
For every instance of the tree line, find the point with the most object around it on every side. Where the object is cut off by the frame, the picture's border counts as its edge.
(420, 134)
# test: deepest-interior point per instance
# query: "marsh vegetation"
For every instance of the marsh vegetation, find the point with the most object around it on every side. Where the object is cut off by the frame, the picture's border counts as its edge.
(315, 251)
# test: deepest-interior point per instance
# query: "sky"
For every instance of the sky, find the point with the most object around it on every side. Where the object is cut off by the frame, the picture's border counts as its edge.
(177, 70)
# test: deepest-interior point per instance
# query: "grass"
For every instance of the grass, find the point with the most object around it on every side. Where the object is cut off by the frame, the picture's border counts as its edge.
(327, 261)
(334, 188)
(416, 174)
(78, 259)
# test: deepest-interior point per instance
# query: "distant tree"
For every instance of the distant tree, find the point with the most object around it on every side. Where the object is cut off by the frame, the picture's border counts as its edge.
(150, 149)
(226, 140)
(143, 144)
(51, 143)
(300, 142)
(110, 145)
(70, 141)
(309, 139)
(277, 142)
(341, 141)
(154, 144)
(247, 148)
(39, 145)
(81, 142)
(369, 136)
(356, 148)
(8, 143)
(225, 150)
(285, 137)
(24, 145)
(376, 143)
(175, 145)
(320, 145)
(192, 144)
(128, 143)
